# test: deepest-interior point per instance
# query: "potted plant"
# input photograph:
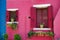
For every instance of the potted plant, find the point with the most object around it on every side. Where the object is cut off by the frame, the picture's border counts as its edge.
(41, 25)
(50, 33)
(31, 33)
(14, 26)
(5, 36)
(12, 19)
(17, 37)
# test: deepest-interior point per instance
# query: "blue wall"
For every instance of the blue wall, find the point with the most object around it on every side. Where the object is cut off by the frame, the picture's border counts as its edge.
(2, 18)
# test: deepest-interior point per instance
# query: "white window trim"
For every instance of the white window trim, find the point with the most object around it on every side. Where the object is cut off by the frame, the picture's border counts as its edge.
(41, 28)
(12, 9)
(41, 5)
(11, 22)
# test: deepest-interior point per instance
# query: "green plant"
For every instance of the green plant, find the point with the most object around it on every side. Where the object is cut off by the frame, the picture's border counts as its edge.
(5, 36)
(50, 33)
(14, 25)
(31, 33)
(17, 37)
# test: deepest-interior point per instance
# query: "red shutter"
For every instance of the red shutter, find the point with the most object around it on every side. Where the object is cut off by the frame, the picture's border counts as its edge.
(17, 15)
(33, 17)
(50, 17)
(7, 15)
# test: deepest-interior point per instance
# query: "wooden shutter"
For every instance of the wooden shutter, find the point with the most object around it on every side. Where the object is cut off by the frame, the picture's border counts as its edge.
(16, 15)
(50, 17)
(33, 17)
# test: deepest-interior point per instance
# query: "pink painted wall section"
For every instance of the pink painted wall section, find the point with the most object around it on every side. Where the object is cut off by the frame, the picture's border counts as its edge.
(40, 38)
(57, 25)
(11, 32)
(24, 12)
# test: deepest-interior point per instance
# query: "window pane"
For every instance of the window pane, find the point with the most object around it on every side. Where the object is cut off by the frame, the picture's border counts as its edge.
(42, 17)
(12, 15)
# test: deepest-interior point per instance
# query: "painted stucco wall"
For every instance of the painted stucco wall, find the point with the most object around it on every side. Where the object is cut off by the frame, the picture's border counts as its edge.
(24, 12)
(57, 25)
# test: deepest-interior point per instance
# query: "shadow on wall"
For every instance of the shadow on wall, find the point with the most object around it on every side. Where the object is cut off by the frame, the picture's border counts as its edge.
(57, 25)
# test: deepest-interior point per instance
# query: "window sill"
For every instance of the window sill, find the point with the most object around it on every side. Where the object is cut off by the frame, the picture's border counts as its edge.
(11, 22)
(41, 28)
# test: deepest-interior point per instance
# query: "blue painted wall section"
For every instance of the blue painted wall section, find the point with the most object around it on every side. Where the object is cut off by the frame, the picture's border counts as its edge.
(2, 18)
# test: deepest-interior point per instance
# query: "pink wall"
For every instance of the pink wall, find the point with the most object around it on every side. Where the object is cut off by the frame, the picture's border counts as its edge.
(24, 12)
(57, 25)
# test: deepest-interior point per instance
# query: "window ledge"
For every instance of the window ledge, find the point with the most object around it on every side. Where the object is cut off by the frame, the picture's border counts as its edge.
(11, 22)
(41, 28)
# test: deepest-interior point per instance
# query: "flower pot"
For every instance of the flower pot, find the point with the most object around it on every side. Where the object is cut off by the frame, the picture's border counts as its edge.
(12, 20)
(41, 25)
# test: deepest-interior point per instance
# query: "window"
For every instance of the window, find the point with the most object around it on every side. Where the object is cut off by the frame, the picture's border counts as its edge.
(42, 17)
(12, 15)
